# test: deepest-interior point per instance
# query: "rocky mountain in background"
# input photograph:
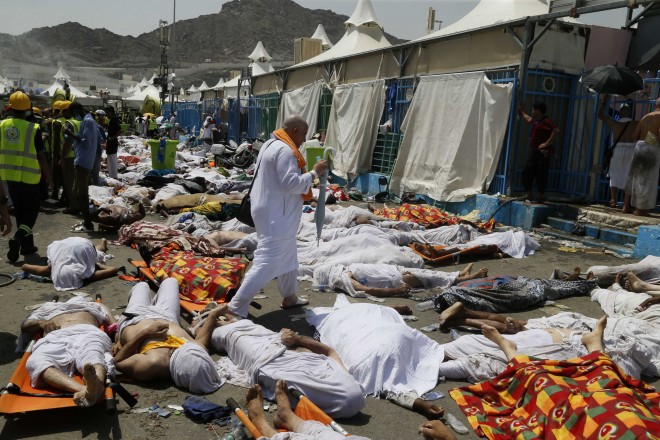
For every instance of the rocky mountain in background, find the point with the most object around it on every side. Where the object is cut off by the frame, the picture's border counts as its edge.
(227, 37)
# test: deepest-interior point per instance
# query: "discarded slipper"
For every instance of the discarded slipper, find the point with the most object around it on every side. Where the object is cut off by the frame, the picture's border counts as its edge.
(82, 229)
(299, 303)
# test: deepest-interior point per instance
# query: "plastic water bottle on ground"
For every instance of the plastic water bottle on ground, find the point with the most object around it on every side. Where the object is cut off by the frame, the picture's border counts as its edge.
(426, 305)
(319, 287)
(37, 278)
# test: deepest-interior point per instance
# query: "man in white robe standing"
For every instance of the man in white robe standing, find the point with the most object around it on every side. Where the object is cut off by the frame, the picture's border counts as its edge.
(280, 186)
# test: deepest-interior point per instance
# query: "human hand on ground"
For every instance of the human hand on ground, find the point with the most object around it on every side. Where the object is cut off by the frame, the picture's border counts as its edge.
(435, 430)
(320, 167)
(289, 337)
(648, 303)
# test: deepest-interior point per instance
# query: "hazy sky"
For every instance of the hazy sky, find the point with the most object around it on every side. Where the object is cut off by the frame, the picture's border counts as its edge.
(402, 18)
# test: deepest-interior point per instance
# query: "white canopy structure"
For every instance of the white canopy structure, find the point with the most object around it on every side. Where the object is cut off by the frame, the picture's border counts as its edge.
(61, 75)
(154, 76)
(141, 94)
(320, 34)
(203, 87)
(493, 12)
(50, 91)
(219, 85)
(259, 53)
(363, 34)
(143, 83)
(192, 89)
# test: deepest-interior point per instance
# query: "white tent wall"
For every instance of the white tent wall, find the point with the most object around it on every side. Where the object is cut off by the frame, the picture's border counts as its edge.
(266, 84)
(301, 77)
(353, 126)
(450, 152)
(562, 49)
(304, 102)
(367, 67)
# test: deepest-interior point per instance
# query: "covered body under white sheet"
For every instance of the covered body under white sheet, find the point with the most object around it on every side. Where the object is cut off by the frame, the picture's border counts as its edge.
(379, 349)
(72, 261)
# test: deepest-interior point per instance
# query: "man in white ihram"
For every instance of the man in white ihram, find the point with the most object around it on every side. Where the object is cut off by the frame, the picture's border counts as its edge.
(280, 186)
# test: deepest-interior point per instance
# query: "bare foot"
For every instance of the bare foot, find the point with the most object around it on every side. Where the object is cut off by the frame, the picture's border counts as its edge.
(514, 326)
(574, 276)
(618, 279)
(641, 213)
(103, 246)
(93, 388)
(483, 273)
(466, 271)
(403, 290)
(255, 407)
(508, 347)
(436, 430)
(452, 311)
(590, 276)
(402, 310)
(284, 416)
(593, 341)
(633, 283)
(428, 409)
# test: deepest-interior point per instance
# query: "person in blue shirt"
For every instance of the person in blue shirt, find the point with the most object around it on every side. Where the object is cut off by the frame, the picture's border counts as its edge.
(99, 116)
(86, 141)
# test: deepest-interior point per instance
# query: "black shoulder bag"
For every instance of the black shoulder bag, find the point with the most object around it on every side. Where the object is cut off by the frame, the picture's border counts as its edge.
(244, 214)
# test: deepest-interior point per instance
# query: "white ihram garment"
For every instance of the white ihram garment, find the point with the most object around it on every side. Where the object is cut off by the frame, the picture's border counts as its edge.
(311, 430)
(72, 261)
(276, 199)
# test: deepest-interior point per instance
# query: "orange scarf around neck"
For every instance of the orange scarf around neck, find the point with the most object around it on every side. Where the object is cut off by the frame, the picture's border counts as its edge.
(284, 137)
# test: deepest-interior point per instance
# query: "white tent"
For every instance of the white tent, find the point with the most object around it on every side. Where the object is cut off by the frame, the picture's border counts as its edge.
(192, 89)
(494, 12)
(72, 89)
(259, 53)
(219, 85)
(147, 91)
(61, 75)
(363, 34)
(203, 87)
(3, 88)
(153, 77)
(320, 34)
(143, 83)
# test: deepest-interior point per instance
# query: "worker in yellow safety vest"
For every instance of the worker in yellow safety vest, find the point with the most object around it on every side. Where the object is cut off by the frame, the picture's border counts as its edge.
(57, 145)
(67, 155)
(22, 164)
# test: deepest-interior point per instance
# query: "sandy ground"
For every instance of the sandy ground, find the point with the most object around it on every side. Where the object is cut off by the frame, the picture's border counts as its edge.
(379, 420)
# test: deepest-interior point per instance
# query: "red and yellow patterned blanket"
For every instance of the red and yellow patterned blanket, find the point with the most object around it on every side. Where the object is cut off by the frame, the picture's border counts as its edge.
(583, 398)
(201, 279)
(425, 215)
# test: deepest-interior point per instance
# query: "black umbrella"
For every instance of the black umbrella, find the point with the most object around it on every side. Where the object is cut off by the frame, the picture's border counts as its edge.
(614, 80)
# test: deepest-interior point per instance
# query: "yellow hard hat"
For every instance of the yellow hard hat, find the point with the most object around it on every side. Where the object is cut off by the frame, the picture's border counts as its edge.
(64, 104)
(56, 105)
(19, 101)
(36, 110)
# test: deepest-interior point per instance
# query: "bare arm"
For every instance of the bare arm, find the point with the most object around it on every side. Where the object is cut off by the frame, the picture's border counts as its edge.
(292, 339)
(155, 330)
(602, 115)
(527, 118)
(34, 326)
(204, 333)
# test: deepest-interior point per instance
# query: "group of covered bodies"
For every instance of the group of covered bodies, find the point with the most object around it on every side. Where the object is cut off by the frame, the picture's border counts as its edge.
(360, 344)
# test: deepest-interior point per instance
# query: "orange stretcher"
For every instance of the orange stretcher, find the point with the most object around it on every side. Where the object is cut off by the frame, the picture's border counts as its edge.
(20, 397)
(305, 409)
(145, 273)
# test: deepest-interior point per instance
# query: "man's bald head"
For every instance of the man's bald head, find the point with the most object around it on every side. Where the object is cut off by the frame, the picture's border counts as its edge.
(296, 127)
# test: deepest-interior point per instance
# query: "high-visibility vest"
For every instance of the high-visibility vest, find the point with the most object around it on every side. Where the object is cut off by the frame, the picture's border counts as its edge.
(76, 128)
(18, 155)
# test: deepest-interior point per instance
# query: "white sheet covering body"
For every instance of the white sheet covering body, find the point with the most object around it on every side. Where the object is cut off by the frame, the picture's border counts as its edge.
(644, 171)
(311, 430)
(72, 261)
(259, 355)
(353, 126)
(379, 349)
(450, 152)
(304, 102)
(647, 270)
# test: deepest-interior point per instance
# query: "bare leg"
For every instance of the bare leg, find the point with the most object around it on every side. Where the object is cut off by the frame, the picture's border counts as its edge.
(102, 272)
(33, 269)
(284, 417)
(383, 292)
(627, 207)
(508, 347)
(634, 284)
(457, 315)
(483, 273)
(255, 407)
(102, 246)
(593, 341)
(467, 270)
(614, 192)
(60, 381)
